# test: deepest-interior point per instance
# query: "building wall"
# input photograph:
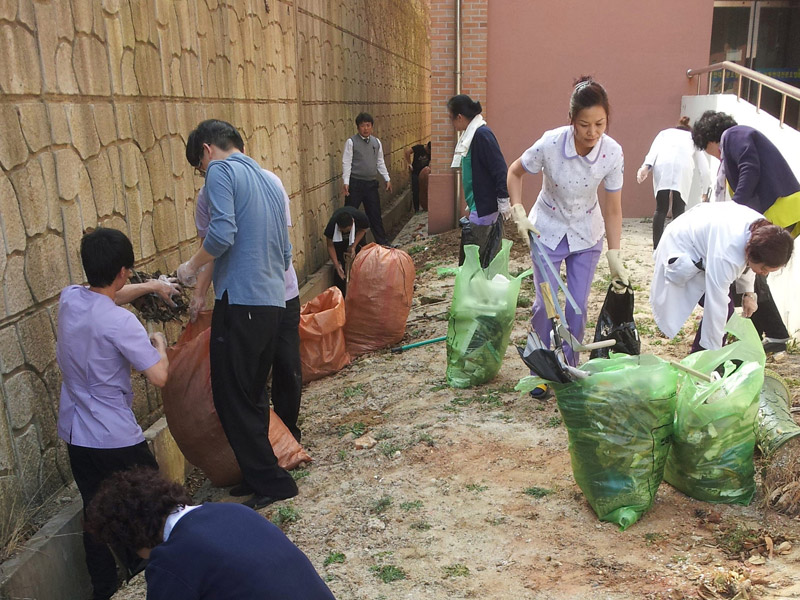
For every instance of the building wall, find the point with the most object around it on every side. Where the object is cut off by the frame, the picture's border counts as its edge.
(96, 101)
(639, 51)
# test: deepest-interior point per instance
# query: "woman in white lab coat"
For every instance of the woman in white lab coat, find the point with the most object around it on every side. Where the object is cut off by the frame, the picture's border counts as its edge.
(673, 159)
(698, 259)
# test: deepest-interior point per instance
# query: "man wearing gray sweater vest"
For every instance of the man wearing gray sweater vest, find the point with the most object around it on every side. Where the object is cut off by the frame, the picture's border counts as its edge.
(362, 161)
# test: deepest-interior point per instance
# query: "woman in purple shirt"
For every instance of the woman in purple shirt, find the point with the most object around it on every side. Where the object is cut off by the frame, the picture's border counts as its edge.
(98, 343)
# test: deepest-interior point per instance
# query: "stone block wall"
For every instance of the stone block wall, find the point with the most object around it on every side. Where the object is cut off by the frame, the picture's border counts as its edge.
(96, 101)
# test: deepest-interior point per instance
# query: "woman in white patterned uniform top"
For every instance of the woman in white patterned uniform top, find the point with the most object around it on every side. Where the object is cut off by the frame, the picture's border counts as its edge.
(570, 222)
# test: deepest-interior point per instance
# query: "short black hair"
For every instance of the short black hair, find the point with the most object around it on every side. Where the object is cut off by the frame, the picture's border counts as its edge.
(710, 127)
(364, 117)
(131, 506)
(104, 252)
(214, 132)
(344, 219)
(463, 105)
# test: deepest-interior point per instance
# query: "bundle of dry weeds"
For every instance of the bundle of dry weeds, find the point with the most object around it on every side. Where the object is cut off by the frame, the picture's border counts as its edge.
(152, 307)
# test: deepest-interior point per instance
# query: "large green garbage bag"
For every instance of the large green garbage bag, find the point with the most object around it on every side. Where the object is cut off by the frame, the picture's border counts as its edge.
(712, 451)
(481, 318)
(619, 421)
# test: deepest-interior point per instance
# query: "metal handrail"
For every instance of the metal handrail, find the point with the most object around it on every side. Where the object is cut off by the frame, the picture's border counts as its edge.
(784, 89)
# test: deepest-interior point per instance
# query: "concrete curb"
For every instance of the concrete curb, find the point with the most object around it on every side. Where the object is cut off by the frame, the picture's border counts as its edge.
(52, 564)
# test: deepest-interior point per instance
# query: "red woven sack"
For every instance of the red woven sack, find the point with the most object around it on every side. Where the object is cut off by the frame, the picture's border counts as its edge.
(192, 418)
(379, 296)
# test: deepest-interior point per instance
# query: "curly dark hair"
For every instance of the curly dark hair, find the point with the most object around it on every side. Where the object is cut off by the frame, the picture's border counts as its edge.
(769, 244)
(709, 128)
(131, 506)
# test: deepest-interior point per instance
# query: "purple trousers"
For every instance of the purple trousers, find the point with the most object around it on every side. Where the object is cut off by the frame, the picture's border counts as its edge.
(580, 272)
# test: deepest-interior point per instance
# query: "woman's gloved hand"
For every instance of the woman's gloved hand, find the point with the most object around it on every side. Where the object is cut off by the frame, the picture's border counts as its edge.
(619, 275)
(523, 223)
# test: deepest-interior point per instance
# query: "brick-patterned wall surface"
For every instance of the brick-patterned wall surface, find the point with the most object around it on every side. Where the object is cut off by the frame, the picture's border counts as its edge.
(474, 40)
(96, 100)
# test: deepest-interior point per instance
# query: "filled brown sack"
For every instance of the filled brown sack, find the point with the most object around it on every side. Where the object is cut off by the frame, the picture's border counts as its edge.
(322, 346)
(379, 296)
(192, 418)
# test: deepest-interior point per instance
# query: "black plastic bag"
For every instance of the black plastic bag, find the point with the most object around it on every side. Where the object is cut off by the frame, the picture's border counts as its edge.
(615, 321)
(488, 238)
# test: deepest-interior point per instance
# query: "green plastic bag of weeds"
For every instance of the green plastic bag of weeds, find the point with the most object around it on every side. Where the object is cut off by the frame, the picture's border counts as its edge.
(619, 421)
(481, 317)
(712, 451)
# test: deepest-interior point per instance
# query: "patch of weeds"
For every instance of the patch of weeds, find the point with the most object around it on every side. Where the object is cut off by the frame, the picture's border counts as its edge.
(342, 455)
(413, 505)
(537, 492)
(356, 390)
(679, 558)
(653, 538)
(506, 388)
(599, 284)
(426, 267)
(389, 448)
(357, 429)
(476, 487)
(657, 342)
(646, 327)
(590, 325)
(450, 407)
(384, 434)
(380, 505)
(427, 439)
(521, 317)
(415, 250)
(540, 406)
(494, 521)
(504, 418)
(285, 514)
(388, 573)
(524, 301)
(456, 570)
(421, 525)
(792, 381)
(793, 346)
(736, 539)
(442, 316)
(299, 474)
(440, 385)
(415, 333)
(646, 220)
(554, 421)
(333, 557)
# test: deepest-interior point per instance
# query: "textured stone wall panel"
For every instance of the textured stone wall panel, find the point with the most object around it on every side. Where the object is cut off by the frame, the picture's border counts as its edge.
(97, 101)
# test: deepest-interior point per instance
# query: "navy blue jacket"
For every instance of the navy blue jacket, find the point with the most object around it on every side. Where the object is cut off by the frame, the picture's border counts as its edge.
(489, 171)
(755, 169)
(225, 551)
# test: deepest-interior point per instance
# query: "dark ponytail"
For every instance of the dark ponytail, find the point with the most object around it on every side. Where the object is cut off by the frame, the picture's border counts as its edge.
(463, 105)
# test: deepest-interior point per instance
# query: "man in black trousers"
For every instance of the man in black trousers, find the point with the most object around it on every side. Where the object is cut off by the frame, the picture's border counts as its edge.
(248, 242)
(362, 161)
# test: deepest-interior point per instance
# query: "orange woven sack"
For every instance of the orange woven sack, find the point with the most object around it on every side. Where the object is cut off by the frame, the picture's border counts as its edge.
(193, 421)
(379, 296)
(322, 346)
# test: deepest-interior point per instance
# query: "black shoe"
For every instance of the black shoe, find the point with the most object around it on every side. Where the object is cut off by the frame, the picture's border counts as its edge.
(241, 489)
(258, 502)
(774, 347)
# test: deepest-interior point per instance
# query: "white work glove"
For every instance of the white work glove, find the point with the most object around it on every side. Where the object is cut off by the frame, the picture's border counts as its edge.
(522, 222)
(187, 275)
(196, 305)
(619, 276)
(504, 206)
(641, 174)
(159, 341)
(166, 287)
(749, 304)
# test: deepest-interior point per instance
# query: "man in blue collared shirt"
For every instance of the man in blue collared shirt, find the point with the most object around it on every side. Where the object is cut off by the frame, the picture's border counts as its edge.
(249, 243)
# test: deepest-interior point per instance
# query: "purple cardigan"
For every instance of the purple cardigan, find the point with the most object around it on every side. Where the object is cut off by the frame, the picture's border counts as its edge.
(755, 169)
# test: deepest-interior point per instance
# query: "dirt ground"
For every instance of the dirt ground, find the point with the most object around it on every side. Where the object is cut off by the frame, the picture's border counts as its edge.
(470, 493)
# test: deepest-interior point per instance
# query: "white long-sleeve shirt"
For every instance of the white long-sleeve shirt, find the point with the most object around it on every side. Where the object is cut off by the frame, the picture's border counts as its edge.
(674, 159)
(347, 161)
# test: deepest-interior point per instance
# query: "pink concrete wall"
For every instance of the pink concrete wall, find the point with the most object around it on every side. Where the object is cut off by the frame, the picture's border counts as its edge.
(639, 51)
